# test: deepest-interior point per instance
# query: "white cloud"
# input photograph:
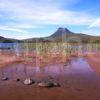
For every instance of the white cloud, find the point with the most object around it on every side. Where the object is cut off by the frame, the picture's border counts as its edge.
(43, 12)
(20, 37)
(95, 23)
(16, 35)
(7, 28)
(24, 26)
(91, 31)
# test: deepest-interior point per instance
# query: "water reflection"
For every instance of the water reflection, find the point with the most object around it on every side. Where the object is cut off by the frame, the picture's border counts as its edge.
(76, 66)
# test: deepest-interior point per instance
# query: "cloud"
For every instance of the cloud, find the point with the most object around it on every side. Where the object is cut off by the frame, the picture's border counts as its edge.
(91, 31)
(16, 35)
(7, 28)
(23, 26)
(43, 12)
(20, 37)
(95, 23)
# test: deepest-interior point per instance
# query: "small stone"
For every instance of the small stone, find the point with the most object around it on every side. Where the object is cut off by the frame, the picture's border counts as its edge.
(17, 79)
(56, 84)
(28, 81)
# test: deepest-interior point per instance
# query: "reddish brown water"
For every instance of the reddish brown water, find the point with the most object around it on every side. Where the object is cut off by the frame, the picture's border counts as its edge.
(78, 82)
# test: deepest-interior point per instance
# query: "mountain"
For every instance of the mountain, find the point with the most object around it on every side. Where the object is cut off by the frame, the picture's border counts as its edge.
(61, 34)
(56, 36)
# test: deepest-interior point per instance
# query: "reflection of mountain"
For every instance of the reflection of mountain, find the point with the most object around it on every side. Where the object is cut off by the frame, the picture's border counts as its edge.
(60, 35)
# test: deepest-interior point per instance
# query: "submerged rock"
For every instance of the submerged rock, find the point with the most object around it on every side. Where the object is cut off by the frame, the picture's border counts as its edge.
(28, 81)
(56, 84)
(48, 84)
(5, 78)
(45, 84)
(16, 79)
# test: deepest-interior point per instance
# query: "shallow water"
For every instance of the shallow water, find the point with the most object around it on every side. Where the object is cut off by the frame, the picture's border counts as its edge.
(78, 82)
(76, 66)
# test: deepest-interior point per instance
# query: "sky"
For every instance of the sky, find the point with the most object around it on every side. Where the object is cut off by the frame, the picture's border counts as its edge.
(22, 19)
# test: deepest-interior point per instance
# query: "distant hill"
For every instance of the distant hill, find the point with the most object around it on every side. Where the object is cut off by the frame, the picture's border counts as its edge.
(7, 40)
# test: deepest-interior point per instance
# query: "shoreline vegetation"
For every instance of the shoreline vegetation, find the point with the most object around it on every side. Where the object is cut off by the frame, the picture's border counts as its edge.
(43, 54)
